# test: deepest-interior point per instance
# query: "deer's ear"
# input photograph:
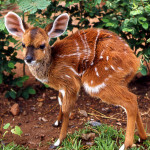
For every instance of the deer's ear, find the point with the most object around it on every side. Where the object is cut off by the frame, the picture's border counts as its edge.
(14, 24)
(58, 27)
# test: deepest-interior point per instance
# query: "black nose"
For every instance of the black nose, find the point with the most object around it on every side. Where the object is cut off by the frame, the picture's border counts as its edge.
(29, 58)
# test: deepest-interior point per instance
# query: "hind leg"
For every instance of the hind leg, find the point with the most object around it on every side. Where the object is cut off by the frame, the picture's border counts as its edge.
(119, 95)
(140, 127)
(59, 118)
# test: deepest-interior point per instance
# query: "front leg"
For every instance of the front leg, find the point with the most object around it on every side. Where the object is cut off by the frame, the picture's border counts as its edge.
(59, 118)
(69, 99)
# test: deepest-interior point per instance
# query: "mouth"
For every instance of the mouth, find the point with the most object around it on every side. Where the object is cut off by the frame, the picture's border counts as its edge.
(33, 62)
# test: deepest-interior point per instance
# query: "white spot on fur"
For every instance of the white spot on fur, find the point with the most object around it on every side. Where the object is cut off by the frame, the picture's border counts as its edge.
(126, 45)
(69, 55)
(59, 101)
(107, 58)
(106, 79)
(57, 143)
(96, 71)
(91, 81)
(56, 123)
(62, 92)
(67, 76)
(44, 51)
(106, 68)
(94, 89)
(101, 57)
(72, 70)
(122, 147)
(109, 76)
(119, 68)
(78, 49)
(112, 68)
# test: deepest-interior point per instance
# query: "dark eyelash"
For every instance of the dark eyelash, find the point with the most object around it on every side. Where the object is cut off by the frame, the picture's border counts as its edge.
(42, 46)
(23, 45)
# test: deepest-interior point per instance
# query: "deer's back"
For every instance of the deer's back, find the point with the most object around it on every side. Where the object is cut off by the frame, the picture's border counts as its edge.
(95, 55)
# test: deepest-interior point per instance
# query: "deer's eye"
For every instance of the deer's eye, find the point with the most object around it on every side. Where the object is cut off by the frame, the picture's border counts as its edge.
(23, 45)
(42, 46)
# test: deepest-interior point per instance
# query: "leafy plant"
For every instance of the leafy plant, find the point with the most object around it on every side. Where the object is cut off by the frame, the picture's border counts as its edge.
(17, 130)
(107, 138)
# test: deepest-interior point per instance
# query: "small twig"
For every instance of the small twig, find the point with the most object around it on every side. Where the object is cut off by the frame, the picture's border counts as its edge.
(94, 130)
(1, 125)
(104, 116)
(51, 109)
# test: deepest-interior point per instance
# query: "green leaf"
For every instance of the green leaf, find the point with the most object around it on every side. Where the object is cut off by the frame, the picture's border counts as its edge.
(139, 53)
(31, 91)
(25, 94)
(31, 6)
(47, 86)
(17, 130)
(12, 94)
(145, 25)
(105, 20)
(147, 9)
(135, 12)
(2, 25)
(1, 78)
(11, 65)
(6, 126)
(143, 70)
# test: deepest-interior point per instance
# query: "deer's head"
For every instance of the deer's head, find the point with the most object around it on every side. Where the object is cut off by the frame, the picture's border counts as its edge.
(35, 40)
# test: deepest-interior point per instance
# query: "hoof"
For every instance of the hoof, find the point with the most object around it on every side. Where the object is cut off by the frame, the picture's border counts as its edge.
(52, 147)
(122, 147)
(56, 124)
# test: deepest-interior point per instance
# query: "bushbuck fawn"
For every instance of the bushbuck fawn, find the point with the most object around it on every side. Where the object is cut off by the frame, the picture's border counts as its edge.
(96, 59)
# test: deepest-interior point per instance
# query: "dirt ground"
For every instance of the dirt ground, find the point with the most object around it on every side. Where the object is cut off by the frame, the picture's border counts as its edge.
(39, 113)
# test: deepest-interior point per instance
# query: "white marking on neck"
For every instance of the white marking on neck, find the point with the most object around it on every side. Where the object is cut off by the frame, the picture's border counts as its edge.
(62, 92)
(59, 101)
(33, 63)
(95, 89)
(91, 81)
(57, 143)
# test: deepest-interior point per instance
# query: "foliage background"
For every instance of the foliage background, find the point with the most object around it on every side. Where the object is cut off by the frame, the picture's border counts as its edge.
(128, 18)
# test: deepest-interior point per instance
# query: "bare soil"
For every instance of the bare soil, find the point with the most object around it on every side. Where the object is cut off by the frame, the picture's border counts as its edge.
(39, 113)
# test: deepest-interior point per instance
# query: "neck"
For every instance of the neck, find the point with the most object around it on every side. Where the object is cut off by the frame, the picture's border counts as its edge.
(40, 69)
